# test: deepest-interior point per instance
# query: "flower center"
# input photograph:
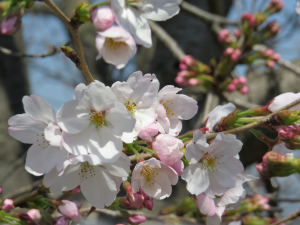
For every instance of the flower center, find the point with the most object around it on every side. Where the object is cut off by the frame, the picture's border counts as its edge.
(112, 44)
(131, 106)
(210, 162)
(86, 170)
(166, 105)
(97, 118)
(42, 142)
(148, 173)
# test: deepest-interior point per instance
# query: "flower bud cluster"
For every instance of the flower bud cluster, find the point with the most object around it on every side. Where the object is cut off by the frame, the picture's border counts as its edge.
(274, 6)
(238, 84)
(137, 200)
(257, 203)
(193, 73)
(224, 37)
(7, 205)
(290, 135)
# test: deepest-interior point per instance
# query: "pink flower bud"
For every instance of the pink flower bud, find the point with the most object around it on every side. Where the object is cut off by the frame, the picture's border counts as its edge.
(271, 64)
(193, 82)
(189, 60)
(181, 81)
(276, 5)
(242, 80)
(183, 66)
(136, 219)
(244, 90)
(147, 133)
(69, 210)
(291, 136)
(78, 204)
(62, 221)
(183, 73)
(252, 21)
(237, 33)
(34, 214)
(276, 57)
(231, 87)
(222, 35)
(137, 200)
(269, 52)
(10, 24)
(236, 55)
(149, 204)
(0, 189)
(235, 81)
(8, 205)
(73, 192)
(246, 15)
(228, 52)
(102, 17)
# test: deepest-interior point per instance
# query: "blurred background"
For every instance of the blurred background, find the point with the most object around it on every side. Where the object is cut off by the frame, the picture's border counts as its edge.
(55, 77)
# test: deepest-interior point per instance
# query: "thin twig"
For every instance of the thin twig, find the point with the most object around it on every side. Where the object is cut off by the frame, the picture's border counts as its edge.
(208, 17)
(164, 37)
(9, 52)
(258, 123)
(92, 209)
(252, 186)
(290, 217)
(77, 40)
(23, 189)
(24, 199)
(143, 155)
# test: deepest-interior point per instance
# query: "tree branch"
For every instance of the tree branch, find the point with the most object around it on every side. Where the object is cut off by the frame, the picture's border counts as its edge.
(290, 217)
(77, 40)
(208, 17)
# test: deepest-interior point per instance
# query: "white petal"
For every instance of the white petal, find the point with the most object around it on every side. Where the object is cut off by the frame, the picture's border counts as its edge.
(280, 148)
(153, 191)
(166, 90)
(64, 181)
(284, 99)
(39, 109)
(170, 172)
(24, 128)
(100, 190)
(163, 180)
(175, 127)
(120, 168)
(73, 117)
(53, 134)
(105, 145)
(196, 148)
(122, 91)
(78, 91)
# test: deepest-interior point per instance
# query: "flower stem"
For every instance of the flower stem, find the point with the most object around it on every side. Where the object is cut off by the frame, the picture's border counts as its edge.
(248, 119)
(77, 40)
(148, 150)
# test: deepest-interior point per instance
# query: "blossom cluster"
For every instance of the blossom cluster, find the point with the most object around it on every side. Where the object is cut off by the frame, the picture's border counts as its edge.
(122, 24)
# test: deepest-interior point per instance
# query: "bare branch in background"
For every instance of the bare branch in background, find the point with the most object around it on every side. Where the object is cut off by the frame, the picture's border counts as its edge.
(208, 17)
(290, 217)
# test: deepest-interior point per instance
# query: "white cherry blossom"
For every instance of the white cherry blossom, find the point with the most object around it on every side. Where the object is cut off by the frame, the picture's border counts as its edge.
(133, 15)
(215, 116)
(284, 99)
(139, 96)
(214, 168)
(99, 182)
(94, 122)
(174, 108)
(116, 46)
(154, 177)
(37, 126)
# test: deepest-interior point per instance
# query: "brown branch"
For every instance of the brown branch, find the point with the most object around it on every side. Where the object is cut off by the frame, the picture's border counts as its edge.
(23, 189)
(77, 40)
(258, 123)
(9, 52)
(24, 199)
(290, 217)
(208, 17)
(143, 155)
(170, 43)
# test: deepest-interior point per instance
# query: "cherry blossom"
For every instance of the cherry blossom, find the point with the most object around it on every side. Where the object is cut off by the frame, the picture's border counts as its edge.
(37, 126)
(154, 177)
(7, 205)
(214, 168)
(116, 46)
(139, 96)
(70, 210)
(174, 107)
(102, 17)
(147, 133)
(94, 122)
(215, 116)
(214, 207)
(133, 15)
(99, 182)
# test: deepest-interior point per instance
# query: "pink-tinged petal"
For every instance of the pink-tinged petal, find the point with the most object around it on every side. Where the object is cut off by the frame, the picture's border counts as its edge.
(170, 172)
(229, 145)
(231, 195)
(196, 177)
(215, 188)
(146, 117)
(62, 221)
(206, 205)
(105, 145)
(284, 99)
(24, 128)
(97, 97)
(147, 133)
(120, 168)
(229, 175)
(100, 181)
(153, 191)
(178, 167)
(38, 108)
(166, 90)
(120, 119)
(53, 134)
(136, 177)
(217, 113)
(62, 156)
(40, 159)
(78, 91)
(73, 117)
(163, 181)
(99, 42)
(64, 181)
(216, 219)
(160, 10)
